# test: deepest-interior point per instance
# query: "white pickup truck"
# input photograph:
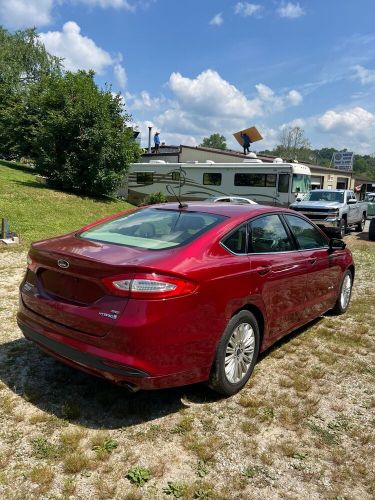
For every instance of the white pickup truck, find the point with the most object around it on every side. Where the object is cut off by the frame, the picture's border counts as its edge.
(333, 209)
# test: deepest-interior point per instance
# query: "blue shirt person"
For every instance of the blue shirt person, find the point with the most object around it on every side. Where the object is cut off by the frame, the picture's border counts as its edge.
(156, 142)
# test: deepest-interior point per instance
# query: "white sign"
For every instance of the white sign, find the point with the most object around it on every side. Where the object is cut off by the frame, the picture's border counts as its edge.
(343, 160)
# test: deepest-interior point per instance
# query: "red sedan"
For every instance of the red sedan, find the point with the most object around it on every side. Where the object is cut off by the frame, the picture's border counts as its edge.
(170, 295)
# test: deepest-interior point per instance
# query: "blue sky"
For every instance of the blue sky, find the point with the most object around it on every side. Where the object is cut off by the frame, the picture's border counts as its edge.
(198, 67)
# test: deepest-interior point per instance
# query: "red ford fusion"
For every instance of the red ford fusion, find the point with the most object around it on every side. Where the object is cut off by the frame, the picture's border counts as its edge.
(169, 295)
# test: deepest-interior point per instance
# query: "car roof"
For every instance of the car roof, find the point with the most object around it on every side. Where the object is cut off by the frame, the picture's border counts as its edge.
(230, 210)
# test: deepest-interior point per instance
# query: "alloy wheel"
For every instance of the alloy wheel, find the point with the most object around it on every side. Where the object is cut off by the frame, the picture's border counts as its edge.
(346, 291)
(239, 352)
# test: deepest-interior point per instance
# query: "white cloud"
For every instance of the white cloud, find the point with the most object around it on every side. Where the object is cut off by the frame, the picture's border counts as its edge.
(294, 97)
(350, 122)
(290, 10)
(351, 128)
(208, 103)
(120, 75)
(79, 52)
(364, 75)
(117, 4)
(246, 9)
(17, 14)
(143, 101)
(217, 20)
(22, 13)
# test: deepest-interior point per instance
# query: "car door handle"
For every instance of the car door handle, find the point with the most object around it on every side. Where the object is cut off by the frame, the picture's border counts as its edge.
(312, 260)
(262, 270)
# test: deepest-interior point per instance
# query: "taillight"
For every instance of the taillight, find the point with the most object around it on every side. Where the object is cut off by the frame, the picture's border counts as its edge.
(149, 286)
(31, 264)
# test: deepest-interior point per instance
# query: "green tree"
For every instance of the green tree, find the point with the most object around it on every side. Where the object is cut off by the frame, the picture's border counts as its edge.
(217, 141)
(81, 141)
(23, 62)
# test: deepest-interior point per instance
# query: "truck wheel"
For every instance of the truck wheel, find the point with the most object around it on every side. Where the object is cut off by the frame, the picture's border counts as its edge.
(342, 228)
(371, 231)
(361, 224)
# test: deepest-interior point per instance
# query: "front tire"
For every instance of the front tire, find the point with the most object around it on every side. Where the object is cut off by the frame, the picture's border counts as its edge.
(341, 232)
(343, 298)
(360, 226)
(236, 354)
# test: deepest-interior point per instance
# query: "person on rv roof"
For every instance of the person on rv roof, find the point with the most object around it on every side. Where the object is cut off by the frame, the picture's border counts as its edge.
(246, 142)
(156, 142)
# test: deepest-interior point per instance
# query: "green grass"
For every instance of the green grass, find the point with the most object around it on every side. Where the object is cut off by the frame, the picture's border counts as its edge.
(35, 211)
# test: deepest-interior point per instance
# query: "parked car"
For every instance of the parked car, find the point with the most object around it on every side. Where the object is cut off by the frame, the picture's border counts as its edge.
(370, 199)
(231, 199)
(170, 295)
(333, 210)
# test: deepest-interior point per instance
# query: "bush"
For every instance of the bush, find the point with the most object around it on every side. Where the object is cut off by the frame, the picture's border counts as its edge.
(154, 198)
(81, 141)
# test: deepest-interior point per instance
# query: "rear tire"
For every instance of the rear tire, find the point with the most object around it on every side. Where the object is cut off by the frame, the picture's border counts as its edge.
(343, 298)
(236, 354)
(371, 231)
(360, 226)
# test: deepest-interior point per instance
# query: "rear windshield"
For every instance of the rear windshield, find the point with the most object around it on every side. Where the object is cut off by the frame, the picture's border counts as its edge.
(153, 228)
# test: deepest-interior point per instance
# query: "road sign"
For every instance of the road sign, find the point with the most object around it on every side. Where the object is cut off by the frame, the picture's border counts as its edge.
(343, 160)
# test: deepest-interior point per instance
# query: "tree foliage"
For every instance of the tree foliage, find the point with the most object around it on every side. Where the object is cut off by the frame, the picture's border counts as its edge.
(293, 144)
(81, 142)
(23, 62)
(75, 132)
(217, 141)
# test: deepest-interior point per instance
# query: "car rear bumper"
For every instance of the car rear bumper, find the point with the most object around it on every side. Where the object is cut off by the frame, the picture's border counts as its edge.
(120, 368)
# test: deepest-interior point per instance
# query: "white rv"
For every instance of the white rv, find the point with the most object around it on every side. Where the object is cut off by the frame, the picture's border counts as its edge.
(275, 183)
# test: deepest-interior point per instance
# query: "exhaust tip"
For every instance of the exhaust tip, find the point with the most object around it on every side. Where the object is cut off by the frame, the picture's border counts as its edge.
(132, 388)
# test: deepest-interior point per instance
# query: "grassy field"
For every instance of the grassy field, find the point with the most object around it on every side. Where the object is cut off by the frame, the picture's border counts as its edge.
(36, 212)
(303, 428)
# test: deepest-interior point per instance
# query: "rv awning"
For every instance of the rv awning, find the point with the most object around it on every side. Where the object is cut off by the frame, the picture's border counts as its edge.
(252, 132)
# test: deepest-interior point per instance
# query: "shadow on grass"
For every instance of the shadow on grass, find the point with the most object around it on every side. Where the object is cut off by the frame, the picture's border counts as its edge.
(18, 166)
(91, 402)
(71, 395)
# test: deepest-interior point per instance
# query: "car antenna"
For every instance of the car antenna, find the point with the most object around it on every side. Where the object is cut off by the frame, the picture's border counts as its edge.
(172, 192)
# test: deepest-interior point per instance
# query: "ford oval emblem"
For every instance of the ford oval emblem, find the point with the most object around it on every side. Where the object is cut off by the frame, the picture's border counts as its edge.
(64, 264)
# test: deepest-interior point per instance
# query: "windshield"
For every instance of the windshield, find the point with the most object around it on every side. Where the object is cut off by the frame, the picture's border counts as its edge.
(301, 183)
(153, 228)
(325, 196)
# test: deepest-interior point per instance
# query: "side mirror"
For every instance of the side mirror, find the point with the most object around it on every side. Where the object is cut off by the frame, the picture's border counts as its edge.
(352, 202)
(336, 244)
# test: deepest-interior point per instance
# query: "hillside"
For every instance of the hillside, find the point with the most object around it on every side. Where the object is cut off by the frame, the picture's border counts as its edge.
(35, 211)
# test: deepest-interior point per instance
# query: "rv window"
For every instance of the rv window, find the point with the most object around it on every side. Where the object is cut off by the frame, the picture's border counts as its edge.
(283, 185)
(212, 179)
(175, 176)
(255, 180)
(145, 177)
(271, 180)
